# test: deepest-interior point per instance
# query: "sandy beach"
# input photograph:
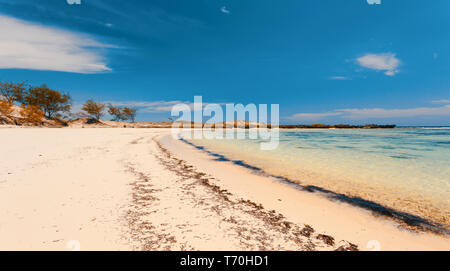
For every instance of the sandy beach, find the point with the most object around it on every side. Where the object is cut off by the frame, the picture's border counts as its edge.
(140, 189)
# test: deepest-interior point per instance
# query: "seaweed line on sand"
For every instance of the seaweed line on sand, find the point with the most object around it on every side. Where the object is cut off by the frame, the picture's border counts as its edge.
(142, 231)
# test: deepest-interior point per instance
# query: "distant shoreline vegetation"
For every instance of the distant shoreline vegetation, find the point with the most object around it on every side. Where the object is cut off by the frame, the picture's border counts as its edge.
(248, 125)
(339, 126)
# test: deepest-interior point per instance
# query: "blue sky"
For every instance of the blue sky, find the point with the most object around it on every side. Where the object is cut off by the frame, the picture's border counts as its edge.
(323, 61)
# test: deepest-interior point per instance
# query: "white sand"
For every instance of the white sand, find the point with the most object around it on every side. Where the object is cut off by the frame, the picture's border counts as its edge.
(116, 189)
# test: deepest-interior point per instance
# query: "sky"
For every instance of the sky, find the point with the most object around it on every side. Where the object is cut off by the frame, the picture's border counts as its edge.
(322, 61)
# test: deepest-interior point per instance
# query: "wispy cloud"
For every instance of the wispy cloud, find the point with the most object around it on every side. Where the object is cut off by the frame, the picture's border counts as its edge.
(339, 78)
(444, 101)
(374, 2)
(25, 45)
(387, 62)
(396, 113)
(156, 106)
(373, 113)
(152, 106)
(312, 116)
(132, 15)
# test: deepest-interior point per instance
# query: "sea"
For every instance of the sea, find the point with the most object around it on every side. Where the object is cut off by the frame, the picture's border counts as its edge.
(405, 169)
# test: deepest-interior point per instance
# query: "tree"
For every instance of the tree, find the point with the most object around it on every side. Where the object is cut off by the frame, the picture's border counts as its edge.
(94, 109)
(5, 108)
(121, 114)
(32, 114)
(12, 92)
(129, 113)
(116, 112)
(49, 101)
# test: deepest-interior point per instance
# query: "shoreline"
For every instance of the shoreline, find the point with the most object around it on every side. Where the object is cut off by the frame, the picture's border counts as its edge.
(404, 219)
(325, 212)
(139, 189)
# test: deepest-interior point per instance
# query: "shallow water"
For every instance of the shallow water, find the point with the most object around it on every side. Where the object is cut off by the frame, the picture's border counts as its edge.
(407, 169)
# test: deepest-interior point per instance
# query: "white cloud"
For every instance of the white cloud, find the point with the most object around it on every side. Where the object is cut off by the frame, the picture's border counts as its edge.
(225, 10)
(369, 113)
(381, 62)
(25, 45)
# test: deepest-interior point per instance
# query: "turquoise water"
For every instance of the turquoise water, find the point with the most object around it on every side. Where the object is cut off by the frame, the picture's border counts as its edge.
(407, 169)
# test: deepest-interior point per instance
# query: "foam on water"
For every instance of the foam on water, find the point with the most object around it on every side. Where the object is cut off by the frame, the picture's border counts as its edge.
(407, 169)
